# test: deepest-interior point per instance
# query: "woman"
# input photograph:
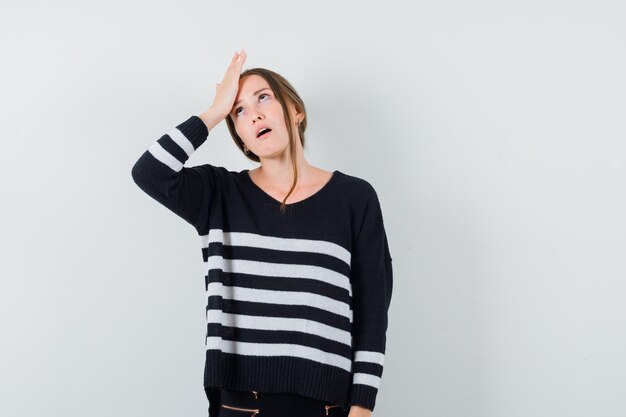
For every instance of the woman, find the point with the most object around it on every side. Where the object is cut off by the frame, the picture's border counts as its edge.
(298, 271)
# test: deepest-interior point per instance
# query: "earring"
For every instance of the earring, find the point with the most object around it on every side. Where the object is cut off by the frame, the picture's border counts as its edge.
(245, 149)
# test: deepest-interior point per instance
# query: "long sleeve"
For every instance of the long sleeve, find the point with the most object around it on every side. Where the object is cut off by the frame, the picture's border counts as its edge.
(372, 283)
(160, 173)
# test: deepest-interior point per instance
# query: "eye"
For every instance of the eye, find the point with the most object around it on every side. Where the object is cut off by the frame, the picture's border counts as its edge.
(260, 95)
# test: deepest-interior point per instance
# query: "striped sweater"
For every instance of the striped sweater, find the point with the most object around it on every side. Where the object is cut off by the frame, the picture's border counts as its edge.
(297, 302)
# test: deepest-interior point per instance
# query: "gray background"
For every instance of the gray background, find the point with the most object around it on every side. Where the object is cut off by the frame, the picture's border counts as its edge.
(494, 133)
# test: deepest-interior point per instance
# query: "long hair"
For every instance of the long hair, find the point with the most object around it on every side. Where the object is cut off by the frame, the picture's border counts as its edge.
(285, 93)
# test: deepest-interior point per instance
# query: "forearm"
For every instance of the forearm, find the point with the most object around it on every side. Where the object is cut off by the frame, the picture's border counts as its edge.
(211, 117)
(161, 173)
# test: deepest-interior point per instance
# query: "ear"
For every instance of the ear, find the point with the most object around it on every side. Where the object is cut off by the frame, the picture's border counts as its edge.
(296, 115)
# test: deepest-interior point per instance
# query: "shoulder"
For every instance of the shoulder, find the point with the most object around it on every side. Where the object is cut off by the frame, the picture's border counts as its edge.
(215, 178)
(216, 172)
(358, 189)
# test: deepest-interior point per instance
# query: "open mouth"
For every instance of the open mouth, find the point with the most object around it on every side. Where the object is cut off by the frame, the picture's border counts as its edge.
(264, 133)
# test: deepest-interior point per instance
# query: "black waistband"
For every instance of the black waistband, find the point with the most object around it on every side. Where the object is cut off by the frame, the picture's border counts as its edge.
(254, 398)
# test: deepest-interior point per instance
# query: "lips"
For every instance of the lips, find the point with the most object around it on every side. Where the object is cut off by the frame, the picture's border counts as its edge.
(263, 132)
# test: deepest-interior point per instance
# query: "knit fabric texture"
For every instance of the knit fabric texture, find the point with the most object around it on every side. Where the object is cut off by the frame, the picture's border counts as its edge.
(297, 302)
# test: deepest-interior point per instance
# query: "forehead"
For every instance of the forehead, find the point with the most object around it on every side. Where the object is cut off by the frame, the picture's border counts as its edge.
(250, 84)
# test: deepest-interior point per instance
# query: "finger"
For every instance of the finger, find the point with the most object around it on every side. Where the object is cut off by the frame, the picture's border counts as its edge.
(233, 61)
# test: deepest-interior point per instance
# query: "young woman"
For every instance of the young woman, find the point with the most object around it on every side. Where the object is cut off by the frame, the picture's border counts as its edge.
(298, 272)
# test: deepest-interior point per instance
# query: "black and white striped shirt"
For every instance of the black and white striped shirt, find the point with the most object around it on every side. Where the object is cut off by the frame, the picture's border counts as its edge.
(296, 301)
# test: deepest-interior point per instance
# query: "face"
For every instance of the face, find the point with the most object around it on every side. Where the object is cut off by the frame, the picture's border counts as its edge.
(256, 106)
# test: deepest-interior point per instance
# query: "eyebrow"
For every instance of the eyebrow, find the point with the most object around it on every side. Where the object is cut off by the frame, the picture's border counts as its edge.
(255, 93)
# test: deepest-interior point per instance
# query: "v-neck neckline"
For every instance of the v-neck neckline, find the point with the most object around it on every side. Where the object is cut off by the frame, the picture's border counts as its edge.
(333, 178)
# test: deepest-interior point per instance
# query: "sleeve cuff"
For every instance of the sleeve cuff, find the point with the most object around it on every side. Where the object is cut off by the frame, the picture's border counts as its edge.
(194, 130)
(363, 395)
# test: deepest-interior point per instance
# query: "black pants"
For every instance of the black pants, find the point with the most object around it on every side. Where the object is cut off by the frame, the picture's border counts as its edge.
(265, 404)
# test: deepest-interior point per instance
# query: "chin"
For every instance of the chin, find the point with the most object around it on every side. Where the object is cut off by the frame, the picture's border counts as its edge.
(272, 153)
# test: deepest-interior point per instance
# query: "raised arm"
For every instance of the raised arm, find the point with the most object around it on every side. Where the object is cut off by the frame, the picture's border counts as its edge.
(160, 173)
(160, 170)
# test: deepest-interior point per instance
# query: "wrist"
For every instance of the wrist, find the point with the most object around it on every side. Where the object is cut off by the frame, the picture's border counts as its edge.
(211, 117)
